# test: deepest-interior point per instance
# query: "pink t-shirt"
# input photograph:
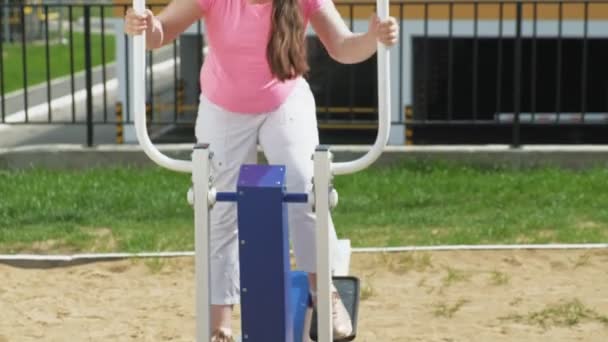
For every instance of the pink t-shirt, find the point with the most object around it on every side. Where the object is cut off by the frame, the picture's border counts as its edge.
(236, 74)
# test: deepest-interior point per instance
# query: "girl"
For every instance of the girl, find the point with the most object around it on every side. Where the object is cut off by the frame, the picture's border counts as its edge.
(253, 91)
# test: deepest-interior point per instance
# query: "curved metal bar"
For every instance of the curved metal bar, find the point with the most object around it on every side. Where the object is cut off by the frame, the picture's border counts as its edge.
(384, 106)
(139, 103)
(384, 101)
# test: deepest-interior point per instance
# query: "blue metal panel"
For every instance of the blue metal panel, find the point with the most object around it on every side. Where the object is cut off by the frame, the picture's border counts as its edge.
(296, 198)
(264, 255)
(262, 176)
(226, 197)
(300, 296)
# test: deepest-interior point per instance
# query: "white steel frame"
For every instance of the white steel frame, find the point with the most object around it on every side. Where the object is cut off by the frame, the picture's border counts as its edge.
(323, 194)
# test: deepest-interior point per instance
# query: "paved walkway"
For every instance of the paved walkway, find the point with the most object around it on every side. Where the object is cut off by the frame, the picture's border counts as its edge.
(69, 107)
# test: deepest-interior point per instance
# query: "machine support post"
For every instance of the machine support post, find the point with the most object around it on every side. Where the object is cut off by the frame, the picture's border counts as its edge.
(201, 182)
(322, 177)
(264, 261)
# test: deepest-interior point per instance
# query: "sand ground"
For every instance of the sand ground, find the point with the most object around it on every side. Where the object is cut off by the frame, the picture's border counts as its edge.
(438, 296)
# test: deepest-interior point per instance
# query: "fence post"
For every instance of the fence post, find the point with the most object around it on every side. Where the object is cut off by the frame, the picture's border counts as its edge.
(516, 142)
(24, 32)
(88, 69)
(61, 22)
(3, 36)
(5, 18)
(119, 123)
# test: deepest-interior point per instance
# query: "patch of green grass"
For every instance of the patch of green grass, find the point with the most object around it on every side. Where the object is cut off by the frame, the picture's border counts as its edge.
(59, 60)
(563, 314)
(516, 301)
(498, 278)
(453, 276)
(512, 260)
(367, 291)
(582, 260)
(155, 265)
(422, 283)
(403, 263)
(145, 209)
(447, 311)
(432, 204)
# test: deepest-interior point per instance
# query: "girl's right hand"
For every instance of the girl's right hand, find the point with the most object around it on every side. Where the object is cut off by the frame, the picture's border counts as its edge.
(135, 23)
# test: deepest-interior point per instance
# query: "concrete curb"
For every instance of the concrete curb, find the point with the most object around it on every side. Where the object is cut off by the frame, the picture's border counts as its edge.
(82, 157)
(50, 261)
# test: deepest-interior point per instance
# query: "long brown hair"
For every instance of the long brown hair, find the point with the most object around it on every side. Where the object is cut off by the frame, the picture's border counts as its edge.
(286, 50)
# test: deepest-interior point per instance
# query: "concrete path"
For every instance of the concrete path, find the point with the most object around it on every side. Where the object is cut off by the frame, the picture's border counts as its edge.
(68, 107)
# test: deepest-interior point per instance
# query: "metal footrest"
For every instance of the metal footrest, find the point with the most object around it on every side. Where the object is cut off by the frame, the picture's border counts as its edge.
(348, 287)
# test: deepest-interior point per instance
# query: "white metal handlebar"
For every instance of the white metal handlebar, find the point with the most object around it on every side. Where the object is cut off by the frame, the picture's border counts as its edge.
(139, 105)
(384, 106)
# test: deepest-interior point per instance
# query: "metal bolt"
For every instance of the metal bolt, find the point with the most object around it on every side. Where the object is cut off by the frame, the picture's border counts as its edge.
(245, 336)
(244, 289)
(242, 242)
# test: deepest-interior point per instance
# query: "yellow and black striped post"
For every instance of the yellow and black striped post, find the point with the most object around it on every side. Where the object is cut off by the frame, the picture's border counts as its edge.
(148, 112)
(119, 124)
(181, 93)
(409, 132)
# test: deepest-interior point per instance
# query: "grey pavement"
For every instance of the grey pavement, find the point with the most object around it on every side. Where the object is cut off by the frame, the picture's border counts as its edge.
(78, 157)
(72, 110)
(37, 94)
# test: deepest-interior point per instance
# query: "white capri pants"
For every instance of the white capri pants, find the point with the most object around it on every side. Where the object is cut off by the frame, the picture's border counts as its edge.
(288, 136)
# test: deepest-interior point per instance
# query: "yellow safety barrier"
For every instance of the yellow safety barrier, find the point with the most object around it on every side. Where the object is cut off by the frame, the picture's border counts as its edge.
(347, 126)
(346, 110)
(409, 132)
(42, 16)
(461, 9)
(119, 124)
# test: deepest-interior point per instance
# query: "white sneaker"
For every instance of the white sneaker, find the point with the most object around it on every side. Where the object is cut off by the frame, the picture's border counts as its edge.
(342, 324)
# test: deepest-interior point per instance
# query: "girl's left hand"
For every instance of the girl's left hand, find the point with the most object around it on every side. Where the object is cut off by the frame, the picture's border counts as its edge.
(386, 32)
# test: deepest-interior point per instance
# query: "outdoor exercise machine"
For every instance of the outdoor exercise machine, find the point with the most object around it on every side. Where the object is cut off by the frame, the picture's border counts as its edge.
(275, 300)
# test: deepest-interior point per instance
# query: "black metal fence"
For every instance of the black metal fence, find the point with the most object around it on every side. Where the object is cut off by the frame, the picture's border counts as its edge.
(515, 72)
(541, 82)
(48, 54)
